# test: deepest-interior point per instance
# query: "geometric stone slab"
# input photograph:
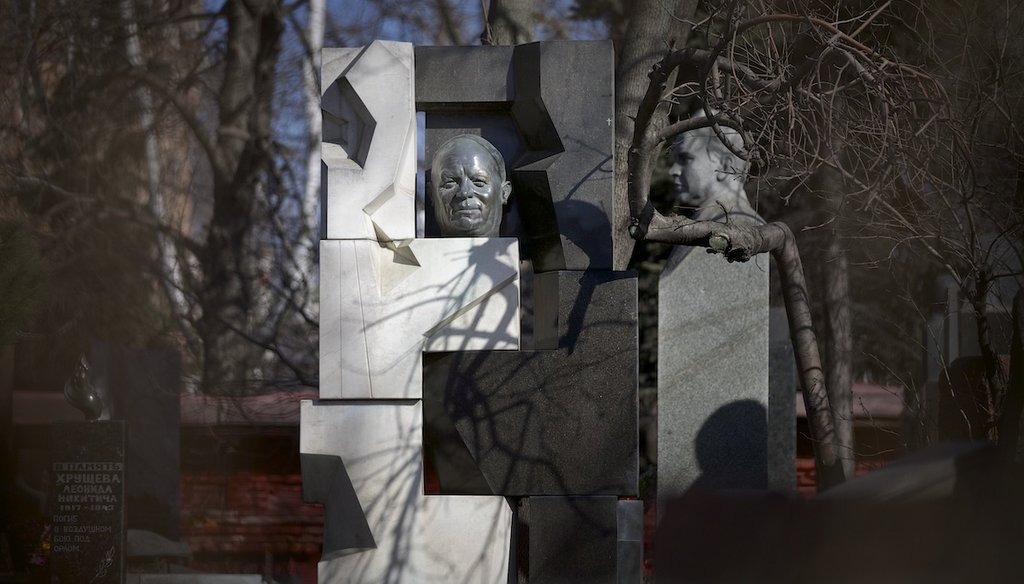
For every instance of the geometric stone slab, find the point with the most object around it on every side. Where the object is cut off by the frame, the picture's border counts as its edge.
(548, 108)
(383, 305)
(560, 420)
(570, 539)
(87, 502)
(369, 142)
(324, 480)
(630, 541)
(418, 538)
(713, 400)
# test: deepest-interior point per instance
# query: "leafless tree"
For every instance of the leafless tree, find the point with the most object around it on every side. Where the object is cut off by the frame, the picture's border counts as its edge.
(806, 94)
(183, 108)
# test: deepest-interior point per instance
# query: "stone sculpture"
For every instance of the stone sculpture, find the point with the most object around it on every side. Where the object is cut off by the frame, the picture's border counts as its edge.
(548, 108)
(718, 427)
(80, 393)
(419, 337)
(707, 177)
(469, 187)
(369, 142)
(386, 298)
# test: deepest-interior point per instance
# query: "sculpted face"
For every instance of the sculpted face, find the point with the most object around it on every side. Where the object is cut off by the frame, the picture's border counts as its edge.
(707, 178)
(468, 188)
(703, 169)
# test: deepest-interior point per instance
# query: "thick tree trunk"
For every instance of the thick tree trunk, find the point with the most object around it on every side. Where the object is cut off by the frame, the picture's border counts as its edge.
(839, 347)
(652, 30)
(509, 22)
(817, 401)
(243, 152)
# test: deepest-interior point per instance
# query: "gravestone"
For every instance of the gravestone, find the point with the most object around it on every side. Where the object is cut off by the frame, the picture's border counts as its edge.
(385, 299)
(716, 413)
(713, 399)
(558, 420)
(87, 502)
(420, 337)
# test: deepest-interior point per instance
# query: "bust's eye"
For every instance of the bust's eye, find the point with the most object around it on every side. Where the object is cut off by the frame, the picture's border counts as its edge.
(479, 182)
(447, 183)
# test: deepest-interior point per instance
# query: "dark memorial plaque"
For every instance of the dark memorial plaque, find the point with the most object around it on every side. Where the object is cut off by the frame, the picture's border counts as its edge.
(87, 503)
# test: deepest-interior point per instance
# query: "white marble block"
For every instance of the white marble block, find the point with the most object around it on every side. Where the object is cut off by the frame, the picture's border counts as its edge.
(382, 305)
(369, 141)
(418, 538)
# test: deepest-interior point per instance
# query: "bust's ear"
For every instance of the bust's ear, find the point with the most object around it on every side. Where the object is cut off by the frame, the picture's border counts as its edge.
(506, 191)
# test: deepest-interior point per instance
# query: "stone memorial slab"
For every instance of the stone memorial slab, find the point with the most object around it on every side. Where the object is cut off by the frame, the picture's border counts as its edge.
(713, 399)
(569, 539)
(416, 537)
(548, 107)
(382, 305)
(87, 502)
(558, 420)
(369, 142)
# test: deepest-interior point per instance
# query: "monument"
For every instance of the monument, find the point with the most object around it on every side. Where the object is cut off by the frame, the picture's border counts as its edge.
(420, 336)
(717, 424)
(86, 498)
(386, 298)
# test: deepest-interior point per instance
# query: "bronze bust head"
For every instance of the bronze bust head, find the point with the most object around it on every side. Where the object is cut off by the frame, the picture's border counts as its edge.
(468, 187)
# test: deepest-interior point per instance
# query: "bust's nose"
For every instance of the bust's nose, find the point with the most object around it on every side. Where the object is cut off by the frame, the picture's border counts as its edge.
(465, 188)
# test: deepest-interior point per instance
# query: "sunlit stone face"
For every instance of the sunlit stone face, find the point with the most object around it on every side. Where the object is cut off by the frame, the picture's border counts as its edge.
(468, 188)
(701, 170)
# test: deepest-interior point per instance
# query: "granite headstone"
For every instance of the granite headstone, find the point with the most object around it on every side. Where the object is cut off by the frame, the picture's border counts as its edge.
(713, 395)
(87, 502)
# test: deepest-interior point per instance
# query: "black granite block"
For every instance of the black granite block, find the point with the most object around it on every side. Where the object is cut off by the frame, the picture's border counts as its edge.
(548, 107)
(325, 480)
(460, 78)
(87, 502)
(146, 384)
(570, 539)
(554, 421)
